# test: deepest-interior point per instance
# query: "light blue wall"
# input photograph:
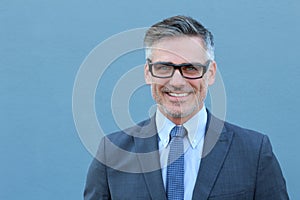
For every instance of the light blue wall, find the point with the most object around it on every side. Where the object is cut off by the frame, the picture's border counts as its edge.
(43, 43)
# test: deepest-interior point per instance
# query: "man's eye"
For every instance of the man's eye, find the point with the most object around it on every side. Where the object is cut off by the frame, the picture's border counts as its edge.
(190, 68)
(162, 67)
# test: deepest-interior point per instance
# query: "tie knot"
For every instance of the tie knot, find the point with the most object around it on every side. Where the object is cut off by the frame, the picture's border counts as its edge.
(178, 131)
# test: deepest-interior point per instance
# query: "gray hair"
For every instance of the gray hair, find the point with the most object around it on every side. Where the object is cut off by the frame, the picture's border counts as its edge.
(178, 26)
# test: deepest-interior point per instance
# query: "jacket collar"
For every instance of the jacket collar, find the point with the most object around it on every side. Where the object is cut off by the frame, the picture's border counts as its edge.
(149, 159)
(216, 145)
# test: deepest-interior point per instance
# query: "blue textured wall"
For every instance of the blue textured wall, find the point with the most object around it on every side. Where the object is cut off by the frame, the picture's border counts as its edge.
(43, 43)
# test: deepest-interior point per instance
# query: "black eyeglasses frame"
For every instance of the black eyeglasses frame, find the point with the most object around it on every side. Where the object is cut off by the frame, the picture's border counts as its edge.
(178, 66)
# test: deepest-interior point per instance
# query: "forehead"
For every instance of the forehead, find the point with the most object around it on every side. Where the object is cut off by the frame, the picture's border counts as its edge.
(179, 49)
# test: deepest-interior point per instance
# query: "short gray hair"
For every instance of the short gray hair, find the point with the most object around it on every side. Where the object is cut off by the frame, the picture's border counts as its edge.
(178, 26)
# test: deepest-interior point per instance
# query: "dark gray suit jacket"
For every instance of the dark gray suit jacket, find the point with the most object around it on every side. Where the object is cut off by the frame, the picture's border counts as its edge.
(237, 164)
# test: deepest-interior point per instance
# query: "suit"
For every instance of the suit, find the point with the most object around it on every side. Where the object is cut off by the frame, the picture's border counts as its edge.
(236, 164)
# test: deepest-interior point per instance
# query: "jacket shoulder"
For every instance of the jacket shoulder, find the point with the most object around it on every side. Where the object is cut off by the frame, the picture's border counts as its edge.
(245, 137)
(124, 139)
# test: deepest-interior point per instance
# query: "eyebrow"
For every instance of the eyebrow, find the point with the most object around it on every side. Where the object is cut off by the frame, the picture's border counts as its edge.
(173, 64)
(181, 64)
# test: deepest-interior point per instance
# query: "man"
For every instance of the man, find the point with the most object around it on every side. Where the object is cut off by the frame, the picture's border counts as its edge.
(183, 151)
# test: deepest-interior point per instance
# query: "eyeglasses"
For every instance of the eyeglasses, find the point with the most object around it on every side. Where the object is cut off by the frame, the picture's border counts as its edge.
(187, 70)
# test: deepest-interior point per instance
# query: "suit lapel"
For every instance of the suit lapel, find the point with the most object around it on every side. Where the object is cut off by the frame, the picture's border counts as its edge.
(216, 146)
(148, 156)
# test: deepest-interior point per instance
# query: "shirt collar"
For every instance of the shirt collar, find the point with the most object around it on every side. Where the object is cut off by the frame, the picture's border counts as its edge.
(194, 126)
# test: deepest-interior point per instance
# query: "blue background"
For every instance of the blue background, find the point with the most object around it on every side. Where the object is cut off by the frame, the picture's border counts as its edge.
(43, 43)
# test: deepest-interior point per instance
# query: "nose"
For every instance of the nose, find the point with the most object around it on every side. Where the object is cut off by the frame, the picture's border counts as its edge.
(177, 79)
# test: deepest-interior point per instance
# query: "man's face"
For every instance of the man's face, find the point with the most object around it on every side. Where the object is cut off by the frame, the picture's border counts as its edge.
(179, 98)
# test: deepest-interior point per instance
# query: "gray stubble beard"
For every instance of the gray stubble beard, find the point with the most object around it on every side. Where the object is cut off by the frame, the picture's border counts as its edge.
(177, 114)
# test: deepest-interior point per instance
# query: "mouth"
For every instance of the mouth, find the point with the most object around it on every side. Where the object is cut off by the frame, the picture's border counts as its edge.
(172, 94)
(176, 94)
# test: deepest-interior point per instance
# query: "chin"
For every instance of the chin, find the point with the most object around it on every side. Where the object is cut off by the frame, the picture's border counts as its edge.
(178, 113)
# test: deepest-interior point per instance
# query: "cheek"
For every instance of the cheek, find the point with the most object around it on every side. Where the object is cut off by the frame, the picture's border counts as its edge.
(197, 85)
(155, 89)
(200, 88)
(157, 85)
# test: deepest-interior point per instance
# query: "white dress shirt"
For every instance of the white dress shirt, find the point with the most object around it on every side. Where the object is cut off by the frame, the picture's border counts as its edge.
(193, 144)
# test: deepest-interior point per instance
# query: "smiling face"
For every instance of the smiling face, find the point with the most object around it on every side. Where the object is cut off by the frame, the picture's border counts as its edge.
(179, 98)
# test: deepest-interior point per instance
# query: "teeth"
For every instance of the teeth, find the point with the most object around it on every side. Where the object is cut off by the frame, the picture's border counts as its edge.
(178, 95)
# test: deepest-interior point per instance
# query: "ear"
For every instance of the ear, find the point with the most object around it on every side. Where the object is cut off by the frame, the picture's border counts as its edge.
(147, 74)
(212, 70)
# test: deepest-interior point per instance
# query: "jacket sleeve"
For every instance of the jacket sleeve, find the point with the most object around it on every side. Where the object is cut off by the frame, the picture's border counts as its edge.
(96, 187)
(270, 183)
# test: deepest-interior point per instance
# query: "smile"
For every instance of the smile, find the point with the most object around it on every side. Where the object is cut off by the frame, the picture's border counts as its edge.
(178, 94)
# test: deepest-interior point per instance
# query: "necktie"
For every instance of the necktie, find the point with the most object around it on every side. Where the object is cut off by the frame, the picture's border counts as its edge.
(175, 168)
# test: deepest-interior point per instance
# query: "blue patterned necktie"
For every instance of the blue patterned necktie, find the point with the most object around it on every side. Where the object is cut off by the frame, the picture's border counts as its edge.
(175, 169)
